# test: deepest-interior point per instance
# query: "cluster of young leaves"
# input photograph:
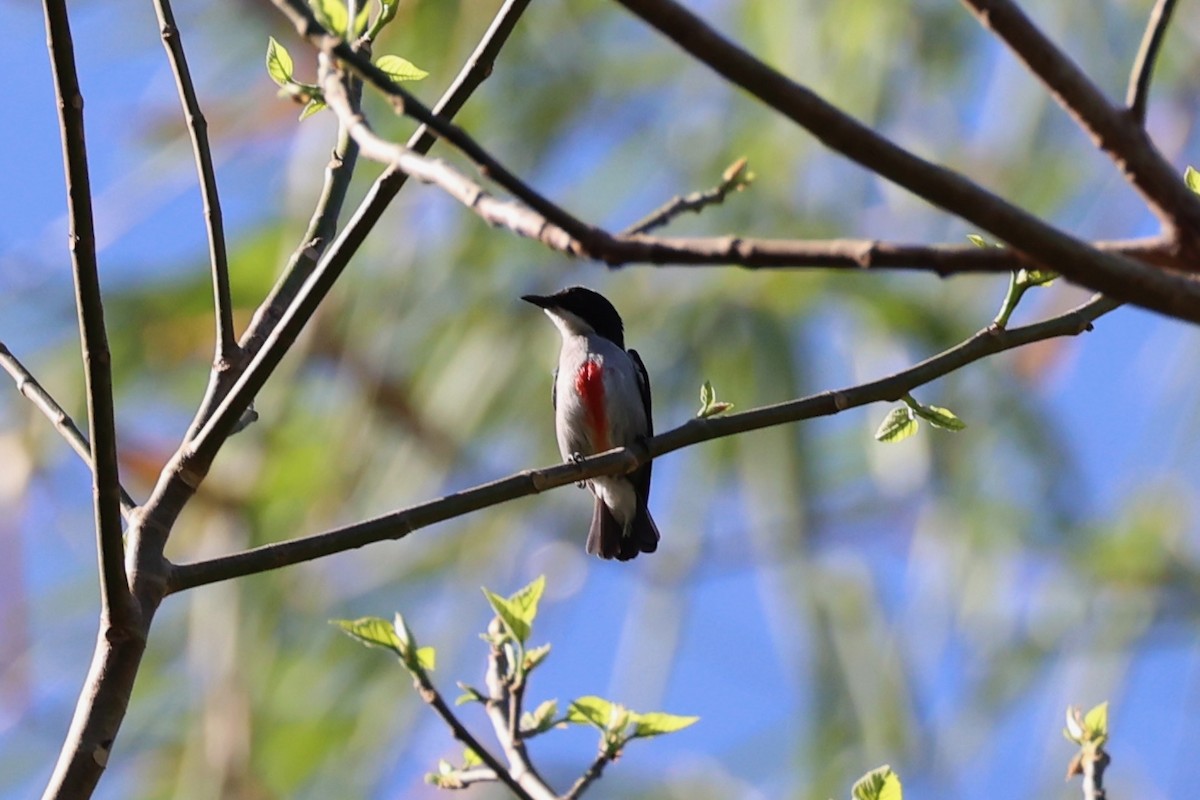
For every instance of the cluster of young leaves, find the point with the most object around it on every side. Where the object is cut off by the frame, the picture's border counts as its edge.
(878, 784)
(334, 16)
(509, 634)
(709, 405)
(902, 422)
(1090, 732)
(618, 725)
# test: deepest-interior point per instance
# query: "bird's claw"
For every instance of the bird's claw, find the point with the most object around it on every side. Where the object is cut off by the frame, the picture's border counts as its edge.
(575, 459)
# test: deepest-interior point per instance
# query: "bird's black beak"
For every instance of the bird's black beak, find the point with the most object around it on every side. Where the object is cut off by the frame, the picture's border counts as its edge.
(538, 300)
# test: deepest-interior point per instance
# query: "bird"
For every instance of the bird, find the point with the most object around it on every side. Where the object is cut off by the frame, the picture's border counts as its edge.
(601, 399)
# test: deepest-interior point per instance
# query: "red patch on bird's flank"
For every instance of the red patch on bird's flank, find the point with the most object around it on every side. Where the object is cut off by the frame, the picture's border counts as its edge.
(589, 385)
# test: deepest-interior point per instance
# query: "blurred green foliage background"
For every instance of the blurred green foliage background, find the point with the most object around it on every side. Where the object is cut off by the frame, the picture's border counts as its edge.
(824, 603)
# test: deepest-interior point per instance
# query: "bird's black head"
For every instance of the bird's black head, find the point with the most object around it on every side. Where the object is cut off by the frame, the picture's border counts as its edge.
(590, 308)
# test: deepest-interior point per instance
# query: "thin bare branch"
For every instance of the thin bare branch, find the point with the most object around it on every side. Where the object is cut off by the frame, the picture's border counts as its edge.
(734, 179)
(1118, 134)
(589, 776)
(434, 699)
(1138, 94)
(226, 352)
(754, 253)
(1047, 246)
(59, 418)
(399, 524)
(117, 605)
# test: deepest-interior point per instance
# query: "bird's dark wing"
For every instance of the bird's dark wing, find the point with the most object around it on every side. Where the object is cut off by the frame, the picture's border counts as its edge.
(554, 390)
(644, 388)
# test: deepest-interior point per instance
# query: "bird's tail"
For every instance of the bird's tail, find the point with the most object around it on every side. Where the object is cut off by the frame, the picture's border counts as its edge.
(607, 537)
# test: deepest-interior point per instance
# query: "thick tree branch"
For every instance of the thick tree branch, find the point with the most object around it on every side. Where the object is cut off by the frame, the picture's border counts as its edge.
(59, 418)
(1119, 135)
(1168, 293)
(117, 607)
(754, 253)
(1138, 94)
(226, 350)
(400, 523)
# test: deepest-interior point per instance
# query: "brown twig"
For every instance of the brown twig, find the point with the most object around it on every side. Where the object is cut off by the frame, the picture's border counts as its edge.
(117, 607)
(1138, 94)
(434, 699)
(399, 524)
(226, 350)
(732, 180)
(1119, 135)
(590, 775)
(33, 391)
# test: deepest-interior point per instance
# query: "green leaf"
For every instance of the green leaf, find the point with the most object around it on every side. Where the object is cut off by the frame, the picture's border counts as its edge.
(387, 12)
(279, 63)
(977, 240)
(541, 719)
(1192, 178)
(591, 710)
(470, 695)
(525, 599)
(427, 657)
(312, 107)
(1035, 277)
(656, 723)
(940, 417)
(509, 615)
(471, 758)
(1095, 723)
(364, 17)
(331, 14)
(535, 656)
(707, 395)
(899, 424)
(410, 653)
(371, 631)
(878, 784)
(400, 69)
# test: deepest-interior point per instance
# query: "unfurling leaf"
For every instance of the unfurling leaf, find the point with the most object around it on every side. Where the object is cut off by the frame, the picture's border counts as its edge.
(371, 631)
(591, 710)
(400, 69)
(1192, 178)
(509, 614)
(279, 63)
(471, 758)
(541, 719)
(899, 424)
(1095, 724)
(977, 240)
(536, 655)
(470, 695)
(427, 657)
(939, 417)
(312, 107)
(331, 14)
(878, 784)
(1035, 277)
(656, 723)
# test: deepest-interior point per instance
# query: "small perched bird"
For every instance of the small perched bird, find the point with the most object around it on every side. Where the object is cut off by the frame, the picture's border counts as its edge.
(601, 400)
